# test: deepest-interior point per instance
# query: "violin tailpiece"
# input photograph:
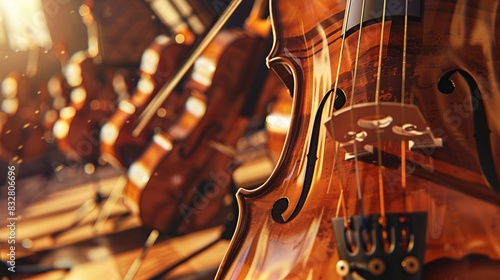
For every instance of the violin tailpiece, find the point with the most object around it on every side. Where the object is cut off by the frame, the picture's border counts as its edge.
(371, 250)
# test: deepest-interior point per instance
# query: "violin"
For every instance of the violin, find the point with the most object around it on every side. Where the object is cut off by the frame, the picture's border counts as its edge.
(390, 168)
(179, 184)
(158, 63)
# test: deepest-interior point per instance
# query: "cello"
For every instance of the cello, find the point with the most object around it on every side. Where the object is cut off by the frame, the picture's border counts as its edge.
(390, 168)
(180, 182)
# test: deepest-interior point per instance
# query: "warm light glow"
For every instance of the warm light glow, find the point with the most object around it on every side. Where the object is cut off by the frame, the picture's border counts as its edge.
(73, 74)
(67, 113)
(93, 48)
(179, 38)
(149, 61)
(10, 106)
(126, 107)
(139, 175)
(162, 40)
(109, 133)
(25, 24)
(161, 112)
(9, 87)
(54, 87)
(278, 123)
(84, 11)
(61, 129)
(145, 85)
(163, 141)
(203, 71)
(99, 253)
(89, 168)
(169, 15)
(120, 85)
(78, 95)
(166, 12)
(196, 106)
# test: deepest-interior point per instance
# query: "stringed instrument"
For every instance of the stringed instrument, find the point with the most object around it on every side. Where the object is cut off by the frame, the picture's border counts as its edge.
(158, 63)
(391, 165)
(180, 182)
(161, 71)
(93, 97)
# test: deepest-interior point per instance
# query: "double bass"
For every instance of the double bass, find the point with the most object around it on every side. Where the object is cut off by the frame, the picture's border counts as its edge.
(390, 168)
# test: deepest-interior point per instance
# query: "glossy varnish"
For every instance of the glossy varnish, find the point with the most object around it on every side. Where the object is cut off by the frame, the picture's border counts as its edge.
(285, 229)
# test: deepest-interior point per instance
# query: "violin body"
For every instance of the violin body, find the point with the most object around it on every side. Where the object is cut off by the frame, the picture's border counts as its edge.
(278, 122)
(355, 151)
(159, 63)
(179, 183)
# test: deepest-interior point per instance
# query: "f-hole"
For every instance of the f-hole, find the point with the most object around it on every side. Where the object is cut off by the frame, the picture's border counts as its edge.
(282, 204)
(481, 130)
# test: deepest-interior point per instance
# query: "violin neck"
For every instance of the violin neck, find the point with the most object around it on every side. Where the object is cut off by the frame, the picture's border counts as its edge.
(257, 21)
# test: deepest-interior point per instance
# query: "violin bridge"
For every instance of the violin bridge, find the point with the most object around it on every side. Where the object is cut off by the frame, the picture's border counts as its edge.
(369, 250)
(356, 127)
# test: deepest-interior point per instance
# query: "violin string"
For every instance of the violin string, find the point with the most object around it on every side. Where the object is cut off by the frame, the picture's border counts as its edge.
(404, 232)
(351, 113)
(335, 162)
(403, 91)
(377, 113)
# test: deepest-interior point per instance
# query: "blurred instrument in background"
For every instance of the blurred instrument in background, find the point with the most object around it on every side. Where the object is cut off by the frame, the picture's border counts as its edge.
(180, 181)
(93, 97)
(159, 63)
